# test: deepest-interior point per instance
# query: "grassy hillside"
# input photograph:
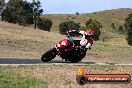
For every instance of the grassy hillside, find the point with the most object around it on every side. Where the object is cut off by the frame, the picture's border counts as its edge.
(25, 42)
(106, 17)
(17, 41)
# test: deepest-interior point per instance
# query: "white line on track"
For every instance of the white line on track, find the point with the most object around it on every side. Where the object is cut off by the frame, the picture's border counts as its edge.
(75, 64)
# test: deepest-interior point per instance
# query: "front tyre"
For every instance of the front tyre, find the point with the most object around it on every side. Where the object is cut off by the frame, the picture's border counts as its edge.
(74, 59)
(49, 55)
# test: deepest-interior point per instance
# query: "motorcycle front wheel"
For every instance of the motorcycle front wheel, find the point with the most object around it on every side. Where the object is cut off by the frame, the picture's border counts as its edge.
(49, 55)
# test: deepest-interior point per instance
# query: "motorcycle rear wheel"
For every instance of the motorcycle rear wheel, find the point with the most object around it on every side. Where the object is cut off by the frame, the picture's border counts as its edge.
(77, 56)
(49, 55)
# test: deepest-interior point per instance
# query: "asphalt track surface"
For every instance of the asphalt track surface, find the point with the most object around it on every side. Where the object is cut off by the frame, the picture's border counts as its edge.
(20, 61)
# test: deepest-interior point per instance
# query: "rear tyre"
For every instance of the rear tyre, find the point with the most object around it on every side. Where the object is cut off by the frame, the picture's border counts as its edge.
(74, 59)
(65, 56)
(82, 55)
(49, 55)
(77, 56)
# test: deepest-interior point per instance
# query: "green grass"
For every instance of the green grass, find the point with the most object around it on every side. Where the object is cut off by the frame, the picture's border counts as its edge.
(10, 79)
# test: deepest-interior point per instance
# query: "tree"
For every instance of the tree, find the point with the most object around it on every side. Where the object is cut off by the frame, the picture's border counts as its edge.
(44, 24)
(64, 26)
(2, 5)
(120, 29)
(113, 25)
(95, 26)
(36, 11)
(18, 11)
(10, 8)
(77, 13)
(24, 13)
(103, 35)
(128, 27)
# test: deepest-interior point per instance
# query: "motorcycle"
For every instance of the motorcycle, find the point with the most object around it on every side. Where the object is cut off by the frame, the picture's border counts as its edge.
(68, 51)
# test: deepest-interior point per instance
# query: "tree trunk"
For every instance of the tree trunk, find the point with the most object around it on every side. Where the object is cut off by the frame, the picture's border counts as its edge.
(35, 24)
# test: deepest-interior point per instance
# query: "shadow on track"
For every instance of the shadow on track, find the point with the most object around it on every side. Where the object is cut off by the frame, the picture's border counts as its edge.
(36, 61)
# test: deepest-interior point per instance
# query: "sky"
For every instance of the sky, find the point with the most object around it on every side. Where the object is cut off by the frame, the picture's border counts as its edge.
(81, 6)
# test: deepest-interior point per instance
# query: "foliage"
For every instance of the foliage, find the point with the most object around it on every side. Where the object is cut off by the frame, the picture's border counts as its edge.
(113, 25)
(64, 26)
(77, 13)
(44, 24)
(2, 5)
(95, 26)
(22, 15)
(36, 11)
(120, 29)
(128, 26)
(22, 12)
(9, 14)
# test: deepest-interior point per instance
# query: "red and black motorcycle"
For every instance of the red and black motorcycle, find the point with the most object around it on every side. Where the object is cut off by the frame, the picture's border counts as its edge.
(68, 51)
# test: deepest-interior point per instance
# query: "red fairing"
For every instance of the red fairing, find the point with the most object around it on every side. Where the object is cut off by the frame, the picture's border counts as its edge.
(64, 45)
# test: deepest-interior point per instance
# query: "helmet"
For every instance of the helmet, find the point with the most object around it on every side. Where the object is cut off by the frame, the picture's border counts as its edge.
(89, 32)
